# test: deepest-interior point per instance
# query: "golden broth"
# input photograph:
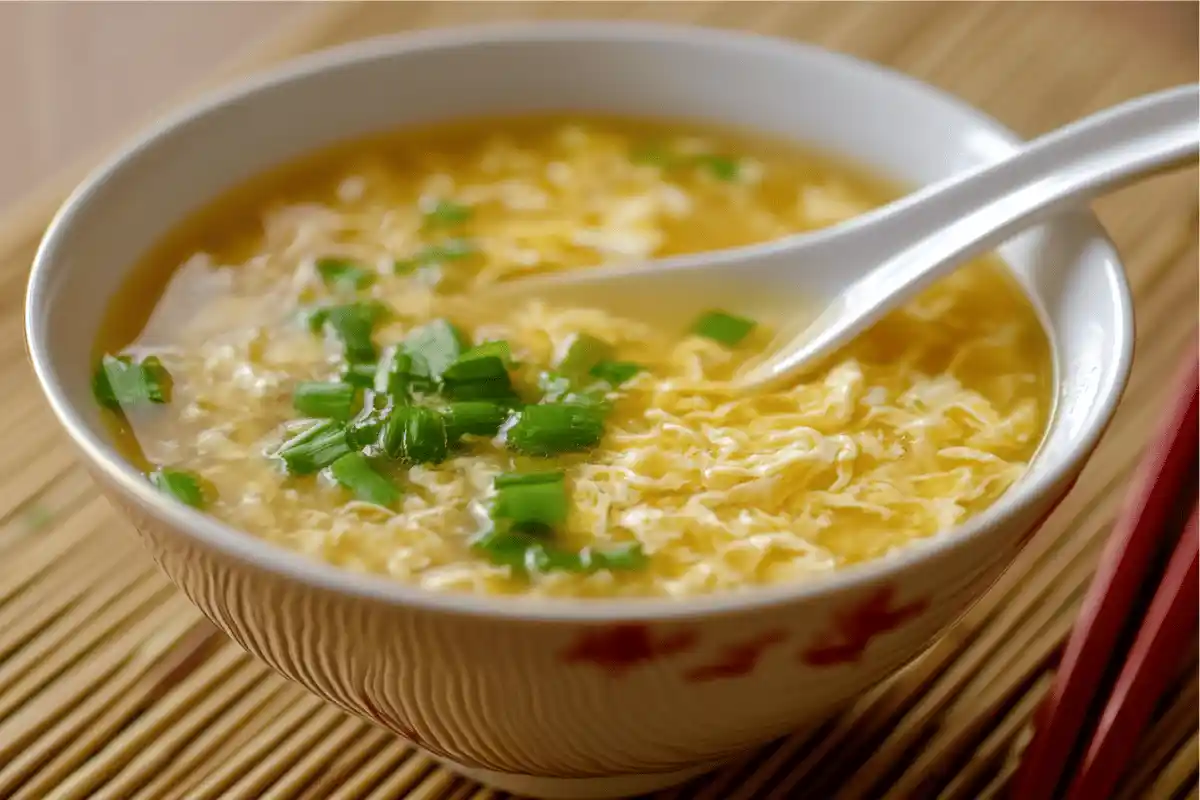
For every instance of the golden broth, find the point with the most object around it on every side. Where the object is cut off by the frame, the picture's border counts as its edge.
(922, 422)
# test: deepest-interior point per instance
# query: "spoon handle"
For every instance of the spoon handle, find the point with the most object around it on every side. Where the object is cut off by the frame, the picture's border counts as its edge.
(931, 232)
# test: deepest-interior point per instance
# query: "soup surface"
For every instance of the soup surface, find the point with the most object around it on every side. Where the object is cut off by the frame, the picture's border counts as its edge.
(313, 360)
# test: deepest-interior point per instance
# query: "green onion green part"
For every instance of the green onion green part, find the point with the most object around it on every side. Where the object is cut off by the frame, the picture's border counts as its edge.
(723, 168)
(186, 487)
(615, 373)
(360, 375)
(434, 347)
(363, 431)
(449, 250)
(528, 552)
(355, 472)
(119, 382)
(721, 327)
(584, 352)
(538, 500)
(415, 434)
(340, 273)
(476, 417)
(324, 400)
(353, 324)
(447, 213)
(315, 449)
(550, 428)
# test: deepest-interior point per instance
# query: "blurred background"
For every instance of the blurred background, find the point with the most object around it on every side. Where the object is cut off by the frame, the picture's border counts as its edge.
(80, 74)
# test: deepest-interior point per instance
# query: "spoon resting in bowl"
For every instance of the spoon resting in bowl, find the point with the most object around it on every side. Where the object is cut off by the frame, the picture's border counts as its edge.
(841, 280)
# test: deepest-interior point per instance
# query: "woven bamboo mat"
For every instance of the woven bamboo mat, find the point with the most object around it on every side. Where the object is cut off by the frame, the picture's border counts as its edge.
(112, 686)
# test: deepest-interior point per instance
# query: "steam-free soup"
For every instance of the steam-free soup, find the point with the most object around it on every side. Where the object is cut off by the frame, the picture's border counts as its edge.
(313, 361)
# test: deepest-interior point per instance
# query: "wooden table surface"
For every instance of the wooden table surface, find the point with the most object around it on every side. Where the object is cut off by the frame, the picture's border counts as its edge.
(112, 686)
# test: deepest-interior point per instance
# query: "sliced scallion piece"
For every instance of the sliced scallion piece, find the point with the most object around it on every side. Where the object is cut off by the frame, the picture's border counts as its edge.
(120, 382)
(449, 250)
(721, 327)
(723, 168)
(615, 373)
(363, 430)
(550, 428)
(353, 324)
(355, 472)
(394, 374)
(315, 449)
(340, 273)
(480, 374)
(531, 499)
(476, 417)
(360, 375)
(448, 213)
(325, 400)
(415, 434)
(436, 345)
(186, 487)
(584, 352)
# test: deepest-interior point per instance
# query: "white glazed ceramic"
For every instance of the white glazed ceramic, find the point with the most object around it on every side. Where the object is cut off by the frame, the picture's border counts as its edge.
(571, 698)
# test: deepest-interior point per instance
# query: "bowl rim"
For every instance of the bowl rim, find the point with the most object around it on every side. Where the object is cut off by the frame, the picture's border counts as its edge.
(286, 564)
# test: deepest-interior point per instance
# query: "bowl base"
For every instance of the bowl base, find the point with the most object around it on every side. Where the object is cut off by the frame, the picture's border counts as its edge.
(600, 788)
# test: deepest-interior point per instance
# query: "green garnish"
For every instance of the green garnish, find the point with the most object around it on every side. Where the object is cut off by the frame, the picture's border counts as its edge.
(395, 374)
(340, 273)
(481, 373)
(186, 487)
(477, 417)
(353, 324)
(724, 328)
(538, 499)
(325, 400)
(415, 434)
(315, 449)
(119, 382)
(723, 168)
(363, 430)
(528, 552)
(448, 212)
(550, 428)
(434, 347)
(584, 353)
(354, 472)
(615, 373)
(360, 375)
(449, 250)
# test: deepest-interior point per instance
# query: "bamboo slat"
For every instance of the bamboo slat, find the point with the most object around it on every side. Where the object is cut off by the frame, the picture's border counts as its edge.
(112, 686)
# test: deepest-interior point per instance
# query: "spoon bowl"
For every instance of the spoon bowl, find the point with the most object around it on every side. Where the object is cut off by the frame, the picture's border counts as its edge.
(821, 290)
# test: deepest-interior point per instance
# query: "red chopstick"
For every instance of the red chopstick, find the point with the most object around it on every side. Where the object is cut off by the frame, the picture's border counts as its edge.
(1147, 527)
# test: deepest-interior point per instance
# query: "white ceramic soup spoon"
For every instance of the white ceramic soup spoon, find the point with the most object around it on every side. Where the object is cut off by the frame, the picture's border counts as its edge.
(841, 280)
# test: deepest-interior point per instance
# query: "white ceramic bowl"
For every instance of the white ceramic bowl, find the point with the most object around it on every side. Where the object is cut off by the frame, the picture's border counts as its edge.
(572, 698)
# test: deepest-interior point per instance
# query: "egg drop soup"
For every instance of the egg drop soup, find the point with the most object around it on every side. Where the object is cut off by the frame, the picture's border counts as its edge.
(313, 360)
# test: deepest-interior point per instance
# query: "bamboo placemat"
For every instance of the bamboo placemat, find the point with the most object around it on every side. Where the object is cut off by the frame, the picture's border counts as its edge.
(112, 686)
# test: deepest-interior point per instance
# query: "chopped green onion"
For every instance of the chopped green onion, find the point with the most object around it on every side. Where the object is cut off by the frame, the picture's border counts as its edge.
(724, 328)
(360, 375)
(325, 400)
(471, 367)
(119, 382)
(354, 471)
(550, 428)
(353, 323)
(723, 168)
(394, 374)
(615, 373)
(498, 348)
(477, 417)
(342, 274)
(538, 499)
(449, 250)
(480, 374)
(415, 434)
(315, 449)
(585, 352)
(507, 480)
(186, 487)
(435, 346)
(448, 212)
(363, 430)
(527, 552)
